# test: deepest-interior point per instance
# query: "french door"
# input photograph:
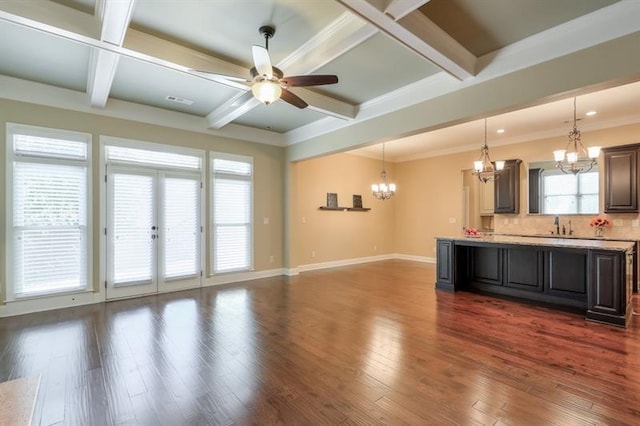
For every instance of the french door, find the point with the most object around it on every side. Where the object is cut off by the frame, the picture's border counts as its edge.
(153, 231)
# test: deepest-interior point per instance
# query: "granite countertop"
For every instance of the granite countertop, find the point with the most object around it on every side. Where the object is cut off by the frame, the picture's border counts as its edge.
(549, 242)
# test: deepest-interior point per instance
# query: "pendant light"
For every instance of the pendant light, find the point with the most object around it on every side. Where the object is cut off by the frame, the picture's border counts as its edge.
(484, 168)
(383, 191)
(575, 158)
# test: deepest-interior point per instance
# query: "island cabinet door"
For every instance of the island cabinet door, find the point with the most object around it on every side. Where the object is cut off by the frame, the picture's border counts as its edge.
(568, 273)
(486, 265)
(607, 296)
(524, 268)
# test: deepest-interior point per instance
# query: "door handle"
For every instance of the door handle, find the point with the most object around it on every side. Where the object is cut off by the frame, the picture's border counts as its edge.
(153, 228)
(153, 236)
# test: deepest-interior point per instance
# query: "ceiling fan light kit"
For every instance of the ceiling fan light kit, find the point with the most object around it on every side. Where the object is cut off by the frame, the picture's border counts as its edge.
(268, 83)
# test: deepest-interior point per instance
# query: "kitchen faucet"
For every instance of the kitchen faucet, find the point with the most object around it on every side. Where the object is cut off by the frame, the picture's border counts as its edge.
(556, 222)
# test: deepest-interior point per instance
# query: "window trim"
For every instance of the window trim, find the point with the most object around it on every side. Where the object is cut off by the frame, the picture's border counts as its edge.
(11, 157)
(212, 224)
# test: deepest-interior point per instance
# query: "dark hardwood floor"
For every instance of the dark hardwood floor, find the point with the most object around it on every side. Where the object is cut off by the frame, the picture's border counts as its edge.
(366, 344)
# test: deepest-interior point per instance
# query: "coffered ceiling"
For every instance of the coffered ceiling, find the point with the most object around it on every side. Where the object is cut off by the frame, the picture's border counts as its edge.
(137, 59)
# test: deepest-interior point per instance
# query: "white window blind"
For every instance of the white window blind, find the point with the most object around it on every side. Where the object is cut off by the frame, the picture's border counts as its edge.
(122, 154)
(181, 210)
(133, 218)
(232, 213)
(49, 232)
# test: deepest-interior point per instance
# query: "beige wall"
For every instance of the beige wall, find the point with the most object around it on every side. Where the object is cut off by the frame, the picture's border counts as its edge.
(435, 185)
(268, 167)
(339, 235)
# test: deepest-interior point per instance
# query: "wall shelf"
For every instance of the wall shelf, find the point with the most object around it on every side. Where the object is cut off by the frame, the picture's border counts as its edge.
(346, 209)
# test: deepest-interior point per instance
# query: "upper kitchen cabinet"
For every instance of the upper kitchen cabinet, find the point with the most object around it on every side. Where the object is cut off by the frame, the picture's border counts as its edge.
(507, 189)
(621, 179)
(485, 198)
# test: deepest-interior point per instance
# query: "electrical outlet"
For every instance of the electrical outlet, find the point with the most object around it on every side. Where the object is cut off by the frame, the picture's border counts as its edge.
(265, 220)
(635, 223)
(304, 219)
(313, 253)
(375, 248)
(271, 259)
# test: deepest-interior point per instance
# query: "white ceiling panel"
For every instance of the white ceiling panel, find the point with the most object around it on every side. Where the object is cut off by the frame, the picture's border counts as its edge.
(227, 29)
(278, 117)
(377, 66)
(32, 55)
(141, 82)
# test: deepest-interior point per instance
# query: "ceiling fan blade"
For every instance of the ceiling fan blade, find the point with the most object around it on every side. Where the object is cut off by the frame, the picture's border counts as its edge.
(261, 61)
(293, 99)
(309, 80)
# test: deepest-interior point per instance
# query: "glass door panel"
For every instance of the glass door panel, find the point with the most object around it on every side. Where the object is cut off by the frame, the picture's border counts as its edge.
(131, 232)
(180, 231)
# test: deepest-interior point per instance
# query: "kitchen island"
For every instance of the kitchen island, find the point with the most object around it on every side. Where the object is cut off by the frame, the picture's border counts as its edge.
(594, 276)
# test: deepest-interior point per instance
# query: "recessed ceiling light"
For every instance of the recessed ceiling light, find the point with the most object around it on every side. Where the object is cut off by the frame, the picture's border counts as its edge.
(500, 131)
(591, 113)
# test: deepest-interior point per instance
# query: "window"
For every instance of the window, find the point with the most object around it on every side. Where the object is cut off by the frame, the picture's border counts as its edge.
(232, 212)
(48, 211)
(570, 194)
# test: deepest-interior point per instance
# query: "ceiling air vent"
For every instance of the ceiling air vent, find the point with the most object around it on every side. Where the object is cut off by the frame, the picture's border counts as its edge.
(179, 100)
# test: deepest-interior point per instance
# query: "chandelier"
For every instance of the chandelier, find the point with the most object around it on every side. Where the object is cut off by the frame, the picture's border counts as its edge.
(575, 158)
(484, 168)
(383, 191)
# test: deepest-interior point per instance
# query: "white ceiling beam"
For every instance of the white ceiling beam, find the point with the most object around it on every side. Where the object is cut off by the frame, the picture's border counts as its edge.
(421, 35)
(232, 109)
(114, 17)
(341, 35)
(398, 9)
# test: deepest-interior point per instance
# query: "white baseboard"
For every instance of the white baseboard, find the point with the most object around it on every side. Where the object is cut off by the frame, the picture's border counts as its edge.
(50, 303)
(423, 259)
(344, 262)
(236, 277)
(87, 298)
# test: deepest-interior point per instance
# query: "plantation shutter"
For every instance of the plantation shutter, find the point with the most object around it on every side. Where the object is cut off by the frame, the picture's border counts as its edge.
(232, 215)
(181, 227)
(49, 215)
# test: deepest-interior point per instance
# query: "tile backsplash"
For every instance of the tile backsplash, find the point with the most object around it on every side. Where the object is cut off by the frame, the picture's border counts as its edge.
(625, 226)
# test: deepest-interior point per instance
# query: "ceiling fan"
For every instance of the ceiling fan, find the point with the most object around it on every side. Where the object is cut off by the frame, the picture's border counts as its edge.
(268, 83)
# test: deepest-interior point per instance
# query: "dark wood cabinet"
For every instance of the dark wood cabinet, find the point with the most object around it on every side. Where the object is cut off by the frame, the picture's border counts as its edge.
(524, 269)
(621, 179)
(608, 301)
(445, 273)
(567, 274)
(486, 265)
(507, 189)
(597, 281)
(535, 190)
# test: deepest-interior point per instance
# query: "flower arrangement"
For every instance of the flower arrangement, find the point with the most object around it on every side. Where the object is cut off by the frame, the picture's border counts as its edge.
(472, 232)
(599, 223)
